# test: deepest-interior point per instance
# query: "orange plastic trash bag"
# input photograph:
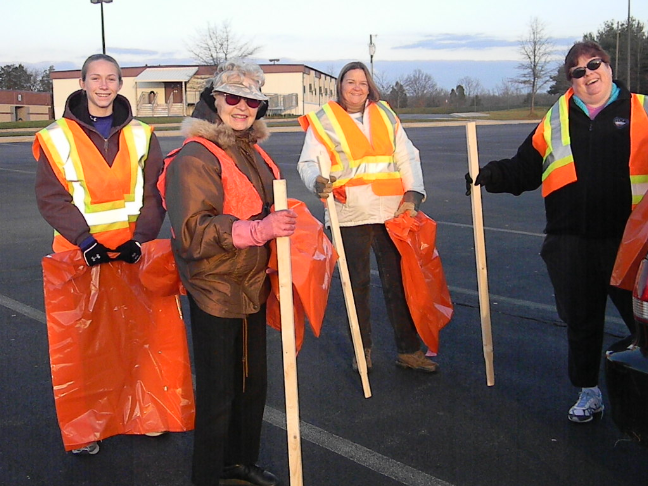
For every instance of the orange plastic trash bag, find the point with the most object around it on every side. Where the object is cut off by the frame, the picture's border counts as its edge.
(118, 346)
(313, 260)
(633, 248)
(426, 290)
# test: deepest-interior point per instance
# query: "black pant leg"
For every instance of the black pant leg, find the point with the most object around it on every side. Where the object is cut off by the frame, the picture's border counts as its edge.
(357, 248)
(388, 260)
(250, 397)
(215, 353)
(581, 292)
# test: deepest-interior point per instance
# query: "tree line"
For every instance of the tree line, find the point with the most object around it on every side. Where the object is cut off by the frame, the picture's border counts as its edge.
(20, 78)
(538, 69)
(541, 77)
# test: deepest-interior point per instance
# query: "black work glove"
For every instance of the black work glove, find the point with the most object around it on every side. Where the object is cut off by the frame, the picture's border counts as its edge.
(324, 186)
(484, 178)
(94, 252)
(129, 252)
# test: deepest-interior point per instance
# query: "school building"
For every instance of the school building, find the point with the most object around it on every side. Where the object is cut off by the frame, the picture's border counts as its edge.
(24, 106)
(293, 89)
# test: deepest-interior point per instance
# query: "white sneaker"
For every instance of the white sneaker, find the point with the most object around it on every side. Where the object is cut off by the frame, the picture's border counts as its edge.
(589, 403)
(91, 449)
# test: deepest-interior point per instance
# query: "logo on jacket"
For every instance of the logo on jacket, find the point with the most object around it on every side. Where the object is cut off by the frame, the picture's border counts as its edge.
(621, 122)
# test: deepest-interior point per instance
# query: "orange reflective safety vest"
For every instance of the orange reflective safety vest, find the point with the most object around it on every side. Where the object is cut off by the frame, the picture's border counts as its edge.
(552, 140)
(356, 160)
(109, 198)
(240, 197)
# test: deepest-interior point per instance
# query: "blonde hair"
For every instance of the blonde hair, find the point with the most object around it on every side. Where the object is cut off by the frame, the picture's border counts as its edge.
(99, 57)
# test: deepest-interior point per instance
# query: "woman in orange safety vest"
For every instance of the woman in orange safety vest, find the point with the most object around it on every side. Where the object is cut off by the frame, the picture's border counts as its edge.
(375, 175)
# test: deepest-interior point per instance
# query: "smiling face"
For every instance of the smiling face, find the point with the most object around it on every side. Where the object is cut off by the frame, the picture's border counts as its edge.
(239, 116)
(595, 87)
(101, 85)
(355, 90)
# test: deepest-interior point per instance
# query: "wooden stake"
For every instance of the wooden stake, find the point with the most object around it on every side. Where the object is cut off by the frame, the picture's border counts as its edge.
(480, 253)
(346, 287)
(288, 342)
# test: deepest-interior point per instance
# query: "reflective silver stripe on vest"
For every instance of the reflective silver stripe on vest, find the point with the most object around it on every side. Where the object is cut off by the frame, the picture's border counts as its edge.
(95, 218)
(639, 183)
(559, 142)
(376, 164)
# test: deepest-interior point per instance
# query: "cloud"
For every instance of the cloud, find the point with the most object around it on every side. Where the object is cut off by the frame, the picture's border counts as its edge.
(478, 42)
(459, 41)
(132, 52)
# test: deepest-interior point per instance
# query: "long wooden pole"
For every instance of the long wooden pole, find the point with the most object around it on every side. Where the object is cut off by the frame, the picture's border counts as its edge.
(480, 253)
(349, 301)
(288, 343)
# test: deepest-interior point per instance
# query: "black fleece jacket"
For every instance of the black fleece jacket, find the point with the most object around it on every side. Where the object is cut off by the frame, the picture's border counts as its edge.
(598, 204)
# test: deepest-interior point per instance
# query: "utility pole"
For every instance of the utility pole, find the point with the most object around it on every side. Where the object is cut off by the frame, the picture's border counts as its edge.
(372, 51)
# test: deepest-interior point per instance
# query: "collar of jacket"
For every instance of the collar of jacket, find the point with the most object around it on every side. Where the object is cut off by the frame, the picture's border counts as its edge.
(223, 135)
(76, 108)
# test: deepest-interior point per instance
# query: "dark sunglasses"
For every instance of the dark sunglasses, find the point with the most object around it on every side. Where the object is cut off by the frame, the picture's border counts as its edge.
(593, 65)
(234, 100)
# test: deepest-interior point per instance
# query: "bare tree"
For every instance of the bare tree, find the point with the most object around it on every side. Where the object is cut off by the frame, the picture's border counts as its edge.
(472, 86)
(536, 50)
(332, 70)
(383, 82)
(217, 43)
(420, 86)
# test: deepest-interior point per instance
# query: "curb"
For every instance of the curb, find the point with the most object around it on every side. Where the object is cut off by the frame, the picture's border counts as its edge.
(431, 124)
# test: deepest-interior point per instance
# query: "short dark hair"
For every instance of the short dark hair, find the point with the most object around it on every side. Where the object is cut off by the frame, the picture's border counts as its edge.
(374, 92)
(584, 48)
(99, 57)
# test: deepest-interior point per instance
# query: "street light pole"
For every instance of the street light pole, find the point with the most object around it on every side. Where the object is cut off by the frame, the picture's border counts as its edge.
(372, 51)
(103, 35)
(616, 59)
(628, 80)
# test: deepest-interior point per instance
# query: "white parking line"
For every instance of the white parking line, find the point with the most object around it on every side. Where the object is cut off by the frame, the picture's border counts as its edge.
(357, 453)
(361, 455)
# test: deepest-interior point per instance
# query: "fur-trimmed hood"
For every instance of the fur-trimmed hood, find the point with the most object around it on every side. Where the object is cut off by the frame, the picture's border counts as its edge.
(223, 135)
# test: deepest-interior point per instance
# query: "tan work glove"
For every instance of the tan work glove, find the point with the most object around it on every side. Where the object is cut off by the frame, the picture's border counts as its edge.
(410, 204)
(324, 186)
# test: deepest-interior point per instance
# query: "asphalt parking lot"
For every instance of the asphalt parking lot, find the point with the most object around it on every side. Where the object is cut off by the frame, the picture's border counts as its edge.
(448, 429)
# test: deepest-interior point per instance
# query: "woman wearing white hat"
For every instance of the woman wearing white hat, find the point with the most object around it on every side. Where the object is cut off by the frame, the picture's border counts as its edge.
(218, 194)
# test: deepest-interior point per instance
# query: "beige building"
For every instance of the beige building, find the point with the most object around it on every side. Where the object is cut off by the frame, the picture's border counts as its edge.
(293, 89)
(24, 106)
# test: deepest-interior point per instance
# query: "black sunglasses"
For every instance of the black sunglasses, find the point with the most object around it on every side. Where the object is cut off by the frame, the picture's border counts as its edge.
(593, 65)
(234, 100)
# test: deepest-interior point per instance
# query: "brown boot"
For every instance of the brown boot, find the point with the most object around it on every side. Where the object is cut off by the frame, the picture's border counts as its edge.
(354, 363)
(417, 361)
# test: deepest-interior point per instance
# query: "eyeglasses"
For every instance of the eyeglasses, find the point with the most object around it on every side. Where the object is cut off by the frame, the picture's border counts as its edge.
(593, 65)
(234, 100)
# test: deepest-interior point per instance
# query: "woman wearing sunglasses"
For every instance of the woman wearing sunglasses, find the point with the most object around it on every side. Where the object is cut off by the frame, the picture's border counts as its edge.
(218, 195)
(590, 155)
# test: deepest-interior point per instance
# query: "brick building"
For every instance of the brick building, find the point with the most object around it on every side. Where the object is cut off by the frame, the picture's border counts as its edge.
(25, 106)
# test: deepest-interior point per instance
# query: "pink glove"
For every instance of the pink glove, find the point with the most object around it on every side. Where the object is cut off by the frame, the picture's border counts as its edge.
(257, 233)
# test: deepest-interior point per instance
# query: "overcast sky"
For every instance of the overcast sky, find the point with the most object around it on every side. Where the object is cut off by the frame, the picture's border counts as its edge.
(64, 32)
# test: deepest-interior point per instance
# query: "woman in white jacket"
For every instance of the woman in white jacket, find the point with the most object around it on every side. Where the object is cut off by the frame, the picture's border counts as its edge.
(375, 176)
